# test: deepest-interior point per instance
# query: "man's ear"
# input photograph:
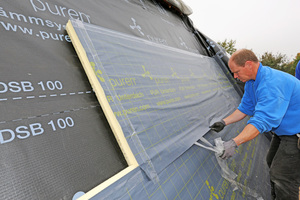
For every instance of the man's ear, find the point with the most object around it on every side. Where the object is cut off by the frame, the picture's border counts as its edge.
(249, 64)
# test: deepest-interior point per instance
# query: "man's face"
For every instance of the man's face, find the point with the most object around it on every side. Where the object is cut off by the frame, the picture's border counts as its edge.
(243, 73)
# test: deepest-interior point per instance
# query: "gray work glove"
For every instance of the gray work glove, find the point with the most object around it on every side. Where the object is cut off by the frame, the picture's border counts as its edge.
(218, 126)
(229, 148)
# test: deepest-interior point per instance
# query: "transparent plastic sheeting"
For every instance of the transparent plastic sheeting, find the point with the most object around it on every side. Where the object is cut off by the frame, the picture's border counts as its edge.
(227, 174)
(164, 98)
(197, 175)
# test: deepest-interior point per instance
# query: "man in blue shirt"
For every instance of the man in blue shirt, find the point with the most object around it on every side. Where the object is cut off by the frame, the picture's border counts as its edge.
(272, 98)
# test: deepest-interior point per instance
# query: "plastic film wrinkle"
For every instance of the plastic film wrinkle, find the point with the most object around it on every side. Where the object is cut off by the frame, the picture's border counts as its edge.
(226, 173)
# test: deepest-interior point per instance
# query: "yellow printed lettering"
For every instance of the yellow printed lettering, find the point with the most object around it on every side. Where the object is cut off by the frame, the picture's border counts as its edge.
(119, 82)
(166, 91)
(166, 102)
(130, 81)
(239, 176)
(187, 88)
(125, 112)
(244, 159)
(233, 196)
(249, 168)
(154, 92)
(249, 145)
(110, 99)
(211, 189)
(233, 165)
(244, 188)
(207, 91)
(223, 189)
(161, 80)
(253, 151)
(130, 96)
(98, 72)
(202, 85)
(191, 96)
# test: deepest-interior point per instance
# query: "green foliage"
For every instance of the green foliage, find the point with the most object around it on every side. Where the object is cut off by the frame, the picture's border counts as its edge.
(278, 61)
(229, 46)
(291, 67)
(275, 61)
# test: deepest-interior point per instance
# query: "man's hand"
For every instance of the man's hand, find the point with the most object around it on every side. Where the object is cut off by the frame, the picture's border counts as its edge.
(218, 126)
(229, 148)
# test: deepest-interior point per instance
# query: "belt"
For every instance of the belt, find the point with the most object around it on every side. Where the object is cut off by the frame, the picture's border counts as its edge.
(291, 137)
(296, 136)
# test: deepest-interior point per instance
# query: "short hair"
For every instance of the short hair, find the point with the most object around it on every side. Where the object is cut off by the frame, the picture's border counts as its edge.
(241, 56)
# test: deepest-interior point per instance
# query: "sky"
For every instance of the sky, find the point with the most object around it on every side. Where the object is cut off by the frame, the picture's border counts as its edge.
(261, 25)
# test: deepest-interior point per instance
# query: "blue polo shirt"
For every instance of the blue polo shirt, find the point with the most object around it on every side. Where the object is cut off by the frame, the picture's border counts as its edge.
(273, 101)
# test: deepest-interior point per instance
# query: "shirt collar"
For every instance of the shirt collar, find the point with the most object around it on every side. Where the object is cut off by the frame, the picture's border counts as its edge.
(258, 75)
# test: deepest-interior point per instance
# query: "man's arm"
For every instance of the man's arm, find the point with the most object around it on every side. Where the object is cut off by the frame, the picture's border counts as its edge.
(236, 116)
(248, 133)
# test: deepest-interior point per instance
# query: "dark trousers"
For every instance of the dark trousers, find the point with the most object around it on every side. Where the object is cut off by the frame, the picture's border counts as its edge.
(283, 160)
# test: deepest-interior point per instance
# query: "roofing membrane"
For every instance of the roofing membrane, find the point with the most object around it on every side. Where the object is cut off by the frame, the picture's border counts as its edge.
(164, 99)
(163, 83)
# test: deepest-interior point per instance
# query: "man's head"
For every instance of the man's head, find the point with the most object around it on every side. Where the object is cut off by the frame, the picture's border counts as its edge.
(244, 65)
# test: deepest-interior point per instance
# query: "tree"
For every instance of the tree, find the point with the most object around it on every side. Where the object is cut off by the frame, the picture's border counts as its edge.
(291, 67)
(275, 61)
(278, 61)
(229, 46)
